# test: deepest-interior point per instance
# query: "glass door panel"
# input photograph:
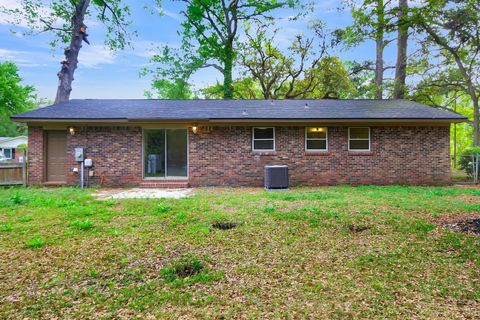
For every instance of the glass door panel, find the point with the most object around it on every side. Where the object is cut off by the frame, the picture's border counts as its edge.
(154, 153)
(176, 152)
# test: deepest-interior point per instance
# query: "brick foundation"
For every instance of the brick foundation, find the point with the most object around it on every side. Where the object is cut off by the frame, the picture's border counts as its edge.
(224, 157)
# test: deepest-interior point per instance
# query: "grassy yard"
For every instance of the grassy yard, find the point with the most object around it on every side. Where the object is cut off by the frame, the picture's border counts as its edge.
(333, 252)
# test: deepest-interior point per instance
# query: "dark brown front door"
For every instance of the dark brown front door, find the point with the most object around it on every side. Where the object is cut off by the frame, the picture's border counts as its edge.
(56, 165)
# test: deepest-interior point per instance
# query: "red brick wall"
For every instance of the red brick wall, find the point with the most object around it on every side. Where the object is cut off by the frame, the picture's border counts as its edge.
(35, 155)
(116, 153)
(408, 155)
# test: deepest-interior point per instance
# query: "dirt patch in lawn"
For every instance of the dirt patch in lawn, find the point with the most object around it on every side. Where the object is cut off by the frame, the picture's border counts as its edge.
(465, 223)
(470, 198)
(471, 226)
(224, 225)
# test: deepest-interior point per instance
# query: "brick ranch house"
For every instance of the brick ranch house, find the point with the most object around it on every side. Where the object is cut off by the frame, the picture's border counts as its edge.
(228, 142)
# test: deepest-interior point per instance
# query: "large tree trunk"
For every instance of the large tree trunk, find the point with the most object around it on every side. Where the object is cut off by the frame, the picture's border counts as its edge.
(379, 40)
(65, 76)
(402, 42)
(476, 132)
(227, 73)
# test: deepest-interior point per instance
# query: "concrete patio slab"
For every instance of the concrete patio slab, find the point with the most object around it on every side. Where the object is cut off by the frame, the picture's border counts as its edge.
(105, 194)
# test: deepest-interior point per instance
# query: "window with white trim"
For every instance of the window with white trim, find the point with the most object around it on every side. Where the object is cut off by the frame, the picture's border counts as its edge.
(263, 139)
(8, 153)
(316, 139)
(359, 139)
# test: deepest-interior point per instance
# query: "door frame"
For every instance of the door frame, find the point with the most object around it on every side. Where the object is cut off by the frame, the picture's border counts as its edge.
(45, 156)
(143, 154)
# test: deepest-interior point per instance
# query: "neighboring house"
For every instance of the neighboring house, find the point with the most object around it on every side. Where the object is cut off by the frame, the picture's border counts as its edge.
(9, 147)
(228, 142)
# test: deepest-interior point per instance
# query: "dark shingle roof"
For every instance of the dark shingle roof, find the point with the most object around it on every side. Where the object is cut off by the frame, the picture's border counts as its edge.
(328, 109)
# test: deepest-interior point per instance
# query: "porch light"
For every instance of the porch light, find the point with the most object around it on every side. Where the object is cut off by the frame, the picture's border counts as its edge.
(194, 129)
(316, 130)
(71, 130)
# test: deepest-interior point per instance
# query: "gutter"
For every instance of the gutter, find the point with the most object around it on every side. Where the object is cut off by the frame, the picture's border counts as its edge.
(239, 120)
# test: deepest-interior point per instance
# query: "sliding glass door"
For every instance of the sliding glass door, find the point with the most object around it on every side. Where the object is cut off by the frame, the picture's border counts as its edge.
(165, 153)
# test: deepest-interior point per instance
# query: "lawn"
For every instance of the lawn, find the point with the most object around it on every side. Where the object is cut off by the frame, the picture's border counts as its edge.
(332, 252)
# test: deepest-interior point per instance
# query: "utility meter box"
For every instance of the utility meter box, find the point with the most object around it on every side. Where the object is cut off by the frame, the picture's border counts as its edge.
(78, 154)
(88, 163)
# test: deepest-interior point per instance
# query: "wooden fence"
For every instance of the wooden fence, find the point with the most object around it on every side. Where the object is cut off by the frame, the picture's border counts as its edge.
(13, 173)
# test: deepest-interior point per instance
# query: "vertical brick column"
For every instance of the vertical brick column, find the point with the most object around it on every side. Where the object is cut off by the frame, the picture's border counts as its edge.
(35, 155)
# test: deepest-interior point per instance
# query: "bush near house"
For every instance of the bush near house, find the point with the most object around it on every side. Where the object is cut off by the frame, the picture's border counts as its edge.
(467, 159)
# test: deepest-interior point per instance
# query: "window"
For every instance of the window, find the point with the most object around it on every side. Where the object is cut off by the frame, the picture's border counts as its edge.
(263, 139)
(358, 139)
(7, 152)
(316, 139)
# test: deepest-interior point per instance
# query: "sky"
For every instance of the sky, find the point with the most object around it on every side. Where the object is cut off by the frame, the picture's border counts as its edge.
(105, 74)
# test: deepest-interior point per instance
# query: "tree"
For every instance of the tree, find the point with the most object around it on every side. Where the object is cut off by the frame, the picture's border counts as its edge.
(65, 20)
(244, 88)
(210, 33)
(372, 20)
(303, 71)
(165, 89)
(402, 43)
(441, 89)
(452, 30)
(362, 80)
(14, 98)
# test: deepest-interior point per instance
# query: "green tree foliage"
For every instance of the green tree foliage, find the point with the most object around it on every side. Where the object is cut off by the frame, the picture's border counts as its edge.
(14, 98)
(372, 20)
(165, 89)
(452, 41)
(244, 88)
(332, 78)
(56, 17)
(303, 70)
(438, 90)
(65, 21)
(209, 37)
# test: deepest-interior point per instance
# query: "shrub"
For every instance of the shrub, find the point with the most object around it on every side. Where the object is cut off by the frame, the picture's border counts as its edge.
(36, 243)
(465, 160)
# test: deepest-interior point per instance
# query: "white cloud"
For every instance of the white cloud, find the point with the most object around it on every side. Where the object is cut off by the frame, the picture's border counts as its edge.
(26, 58)
(93, 55)
(168, 13)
